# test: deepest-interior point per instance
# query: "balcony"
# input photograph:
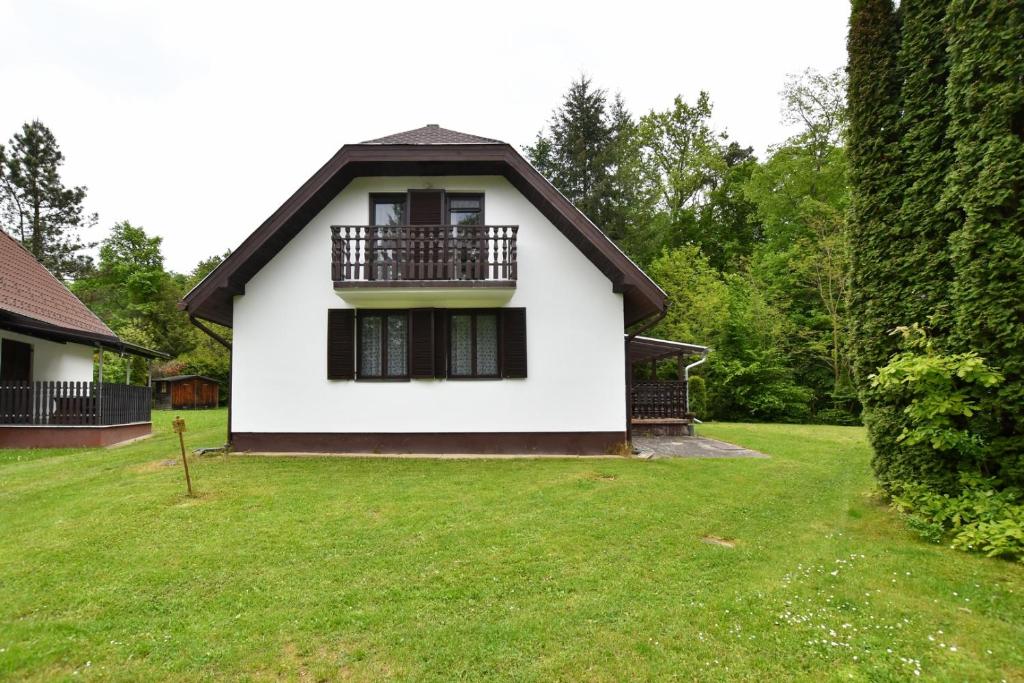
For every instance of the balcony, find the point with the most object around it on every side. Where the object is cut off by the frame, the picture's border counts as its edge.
(424, 265)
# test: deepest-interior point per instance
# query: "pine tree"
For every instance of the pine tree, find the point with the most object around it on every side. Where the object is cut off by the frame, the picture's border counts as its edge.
(985, 98)
(877, 241)
(37, 208)
(575, 154)
(927, 155)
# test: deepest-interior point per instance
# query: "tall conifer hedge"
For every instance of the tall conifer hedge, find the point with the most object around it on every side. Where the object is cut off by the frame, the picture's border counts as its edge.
(985, 100)
(879, 243)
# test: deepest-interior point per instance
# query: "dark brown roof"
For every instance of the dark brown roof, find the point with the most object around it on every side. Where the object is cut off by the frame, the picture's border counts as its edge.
(432, 134)
(212, 298)
(28, 289)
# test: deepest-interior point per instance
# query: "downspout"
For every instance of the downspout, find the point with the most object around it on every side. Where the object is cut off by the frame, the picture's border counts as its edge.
(231, 361)
(686, 379)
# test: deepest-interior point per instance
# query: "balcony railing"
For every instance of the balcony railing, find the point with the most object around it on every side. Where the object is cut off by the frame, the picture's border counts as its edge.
(659, 399)
(73, 403)
(456, 253)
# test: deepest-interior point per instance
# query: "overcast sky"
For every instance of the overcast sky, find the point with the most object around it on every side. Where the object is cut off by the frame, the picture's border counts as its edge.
(198, 119)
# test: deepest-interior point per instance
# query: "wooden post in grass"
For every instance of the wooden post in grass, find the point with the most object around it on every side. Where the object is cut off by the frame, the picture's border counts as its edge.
(179, 429)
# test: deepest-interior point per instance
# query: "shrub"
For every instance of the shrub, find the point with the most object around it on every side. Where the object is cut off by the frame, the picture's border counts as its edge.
(985, 517)
(935, 433)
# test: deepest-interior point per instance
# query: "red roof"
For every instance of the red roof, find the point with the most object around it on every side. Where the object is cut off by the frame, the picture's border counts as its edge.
(28, 289)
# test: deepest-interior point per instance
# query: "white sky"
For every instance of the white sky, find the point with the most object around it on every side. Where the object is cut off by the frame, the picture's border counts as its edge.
(197, 120)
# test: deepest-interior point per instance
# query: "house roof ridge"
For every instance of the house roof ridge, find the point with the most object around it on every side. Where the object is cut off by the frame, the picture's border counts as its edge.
(431, 134)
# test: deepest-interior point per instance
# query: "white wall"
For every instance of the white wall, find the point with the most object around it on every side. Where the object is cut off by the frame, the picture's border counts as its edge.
(52, 361)
(574, 335)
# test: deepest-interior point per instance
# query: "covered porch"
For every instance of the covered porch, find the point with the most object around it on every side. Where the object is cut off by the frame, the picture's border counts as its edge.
(48, 398)
(661, 407)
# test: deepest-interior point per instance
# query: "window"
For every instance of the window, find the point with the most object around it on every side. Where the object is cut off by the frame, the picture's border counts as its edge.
(384, 344)
(387, 209)
(466, 209)
(473, 345)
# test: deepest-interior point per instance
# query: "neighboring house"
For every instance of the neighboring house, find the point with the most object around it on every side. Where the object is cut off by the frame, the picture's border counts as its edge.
(185, 392)
(47, 341)
(430, 291)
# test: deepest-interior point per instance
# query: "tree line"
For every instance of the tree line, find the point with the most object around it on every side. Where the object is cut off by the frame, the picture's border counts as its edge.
(752, 253)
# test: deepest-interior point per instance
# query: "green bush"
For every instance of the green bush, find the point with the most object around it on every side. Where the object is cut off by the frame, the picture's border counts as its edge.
(985, 517)
(936, 434)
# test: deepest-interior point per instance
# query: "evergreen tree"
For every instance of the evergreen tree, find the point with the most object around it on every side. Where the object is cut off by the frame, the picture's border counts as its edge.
(578, 150)
(37, 208)
(985, 98)
(926, 158)
(878, 244)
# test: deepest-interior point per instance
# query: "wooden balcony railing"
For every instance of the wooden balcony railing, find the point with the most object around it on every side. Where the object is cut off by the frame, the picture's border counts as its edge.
(471, 253)
(659, 399)
(73, 403)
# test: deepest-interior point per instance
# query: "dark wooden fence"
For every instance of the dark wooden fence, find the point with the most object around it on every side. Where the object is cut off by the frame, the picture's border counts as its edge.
(423, 252)
(659, 399)
(72, 403)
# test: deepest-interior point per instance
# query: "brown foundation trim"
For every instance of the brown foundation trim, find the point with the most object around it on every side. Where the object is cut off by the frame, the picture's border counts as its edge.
(26, 436)
(514, 443)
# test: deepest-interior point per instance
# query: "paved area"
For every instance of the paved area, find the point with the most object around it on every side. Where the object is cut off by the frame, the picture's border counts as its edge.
(654, 447)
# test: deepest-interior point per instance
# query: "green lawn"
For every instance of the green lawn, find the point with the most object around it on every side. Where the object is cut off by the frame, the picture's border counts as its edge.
(327, 568)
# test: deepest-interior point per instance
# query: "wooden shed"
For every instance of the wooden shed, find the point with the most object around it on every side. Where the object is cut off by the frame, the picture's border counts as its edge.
(185, 392)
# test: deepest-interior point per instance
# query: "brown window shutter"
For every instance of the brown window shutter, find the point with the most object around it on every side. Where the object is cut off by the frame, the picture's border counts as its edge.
(440, 343)
(421, 338)
(341, 343)
(513, 342)
(426, 207)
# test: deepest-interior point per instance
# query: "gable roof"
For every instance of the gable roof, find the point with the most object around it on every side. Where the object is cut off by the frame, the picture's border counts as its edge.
(432, 134)
(212, 298)
(34, 302)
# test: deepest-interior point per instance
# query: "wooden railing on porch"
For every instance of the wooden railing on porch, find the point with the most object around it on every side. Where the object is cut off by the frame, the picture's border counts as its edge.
(456, 253)
(73, 403)
(659, 399)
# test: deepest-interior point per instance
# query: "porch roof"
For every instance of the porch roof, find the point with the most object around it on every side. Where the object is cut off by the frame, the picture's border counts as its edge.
(644, 349)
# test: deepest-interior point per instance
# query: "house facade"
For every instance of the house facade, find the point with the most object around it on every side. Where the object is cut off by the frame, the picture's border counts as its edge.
(428, 292)
(48, 340)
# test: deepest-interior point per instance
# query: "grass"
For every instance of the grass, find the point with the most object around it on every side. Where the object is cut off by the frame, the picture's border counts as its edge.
(321, 569)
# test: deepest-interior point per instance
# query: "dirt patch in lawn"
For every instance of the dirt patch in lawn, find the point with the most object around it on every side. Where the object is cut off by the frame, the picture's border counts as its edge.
(597, 476)
(719, 541)
(154, 466)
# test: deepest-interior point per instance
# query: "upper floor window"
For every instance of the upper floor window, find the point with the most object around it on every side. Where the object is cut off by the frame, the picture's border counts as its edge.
(387, 209)
(465, 209)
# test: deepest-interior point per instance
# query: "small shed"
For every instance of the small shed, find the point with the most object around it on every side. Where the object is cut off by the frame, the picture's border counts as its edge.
(185, 392)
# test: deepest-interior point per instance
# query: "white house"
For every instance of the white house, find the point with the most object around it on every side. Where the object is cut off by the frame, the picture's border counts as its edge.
(47, 342)
(430, 291)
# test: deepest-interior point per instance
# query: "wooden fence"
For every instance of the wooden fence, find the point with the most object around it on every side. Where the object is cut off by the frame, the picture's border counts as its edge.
(659, 399)
(423, 252)
(73, 403)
